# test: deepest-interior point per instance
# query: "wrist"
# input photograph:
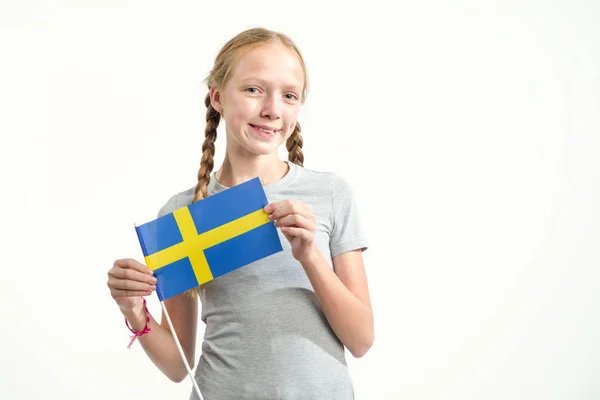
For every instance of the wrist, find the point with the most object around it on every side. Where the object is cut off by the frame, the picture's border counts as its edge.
(137, 332)
(136, 315)
(311, 256)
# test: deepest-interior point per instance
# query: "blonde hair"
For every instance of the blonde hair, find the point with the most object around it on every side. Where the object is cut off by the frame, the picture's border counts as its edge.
(219, 76)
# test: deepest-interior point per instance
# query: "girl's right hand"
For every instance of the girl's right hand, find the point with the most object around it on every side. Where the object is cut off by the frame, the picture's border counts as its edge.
(128, 281)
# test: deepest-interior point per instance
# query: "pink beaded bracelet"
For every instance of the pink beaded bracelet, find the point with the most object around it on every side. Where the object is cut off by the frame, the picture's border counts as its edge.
(146, 329)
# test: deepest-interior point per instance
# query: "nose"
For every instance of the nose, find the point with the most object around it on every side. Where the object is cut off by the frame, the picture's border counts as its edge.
(271, 107)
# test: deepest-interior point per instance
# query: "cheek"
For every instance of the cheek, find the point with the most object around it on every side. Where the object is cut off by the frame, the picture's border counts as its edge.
(237, 119)
(239, 111)
(290, 119)
(291, 129)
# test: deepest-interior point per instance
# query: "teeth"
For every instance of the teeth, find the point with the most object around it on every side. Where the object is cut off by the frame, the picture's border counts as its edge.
(264, 130)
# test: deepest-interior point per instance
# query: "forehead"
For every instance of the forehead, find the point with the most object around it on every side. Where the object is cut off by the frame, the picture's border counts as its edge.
(274, 63)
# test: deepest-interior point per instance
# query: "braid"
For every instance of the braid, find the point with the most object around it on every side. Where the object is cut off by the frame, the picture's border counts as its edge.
(208, 151)
(294, 146)
(206, 163)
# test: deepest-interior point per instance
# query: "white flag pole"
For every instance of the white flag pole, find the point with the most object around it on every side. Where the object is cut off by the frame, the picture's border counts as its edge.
(183, 358)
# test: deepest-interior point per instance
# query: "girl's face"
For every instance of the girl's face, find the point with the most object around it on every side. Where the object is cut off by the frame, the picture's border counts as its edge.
(261, 101)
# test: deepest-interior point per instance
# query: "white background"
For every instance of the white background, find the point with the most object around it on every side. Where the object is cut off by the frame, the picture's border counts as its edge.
(469, 131)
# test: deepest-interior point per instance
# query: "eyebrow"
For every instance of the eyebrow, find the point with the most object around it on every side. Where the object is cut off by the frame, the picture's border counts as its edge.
(254, 78)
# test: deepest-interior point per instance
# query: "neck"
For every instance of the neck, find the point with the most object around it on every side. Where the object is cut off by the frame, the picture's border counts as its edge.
(236, 170)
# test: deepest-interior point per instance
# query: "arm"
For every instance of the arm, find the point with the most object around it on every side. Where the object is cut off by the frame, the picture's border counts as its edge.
(159, 344)
(344, 297)
(343, 293)
(128, 280)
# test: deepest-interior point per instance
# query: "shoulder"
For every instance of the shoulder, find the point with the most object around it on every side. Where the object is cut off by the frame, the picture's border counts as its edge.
(177, 201)
(325, 181)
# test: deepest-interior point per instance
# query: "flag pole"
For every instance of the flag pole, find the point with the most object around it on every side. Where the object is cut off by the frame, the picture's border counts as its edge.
(183, 358)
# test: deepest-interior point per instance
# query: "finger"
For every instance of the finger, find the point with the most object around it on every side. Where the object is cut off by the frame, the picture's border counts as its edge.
(125, 284)
(297, 232)
(297, 220)
(275, 205)
(133, 264)
(131, 274)
(286, 203)
(119, 294)
(294, 208)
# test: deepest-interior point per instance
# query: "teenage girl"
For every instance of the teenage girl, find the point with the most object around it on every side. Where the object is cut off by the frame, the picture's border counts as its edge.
(276, 328)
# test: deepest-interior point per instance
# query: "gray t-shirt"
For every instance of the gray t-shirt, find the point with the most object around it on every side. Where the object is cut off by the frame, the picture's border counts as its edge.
(266, 335)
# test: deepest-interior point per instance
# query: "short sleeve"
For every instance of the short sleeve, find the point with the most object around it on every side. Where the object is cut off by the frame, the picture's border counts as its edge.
(168, 207)
(347, 233)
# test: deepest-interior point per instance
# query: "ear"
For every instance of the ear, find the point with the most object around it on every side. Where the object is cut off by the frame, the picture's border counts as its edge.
(215, 99)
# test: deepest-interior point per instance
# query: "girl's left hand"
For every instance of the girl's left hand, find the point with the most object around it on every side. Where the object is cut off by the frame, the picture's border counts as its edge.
(297, 222)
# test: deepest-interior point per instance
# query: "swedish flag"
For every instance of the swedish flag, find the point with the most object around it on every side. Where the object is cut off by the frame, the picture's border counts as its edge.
(209, 238)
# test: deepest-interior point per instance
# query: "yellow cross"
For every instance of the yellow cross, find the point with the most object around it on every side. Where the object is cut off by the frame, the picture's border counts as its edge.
(193, 245)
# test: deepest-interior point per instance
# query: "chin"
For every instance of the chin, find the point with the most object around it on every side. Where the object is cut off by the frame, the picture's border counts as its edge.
(262, 149)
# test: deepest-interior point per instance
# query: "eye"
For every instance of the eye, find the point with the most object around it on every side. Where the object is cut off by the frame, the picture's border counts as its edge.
(252, 88)
(291, 96)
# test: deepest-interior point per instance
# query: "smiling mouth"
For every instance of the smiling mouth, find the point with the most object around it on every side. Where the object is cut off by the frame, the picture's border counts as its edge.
(265, 130)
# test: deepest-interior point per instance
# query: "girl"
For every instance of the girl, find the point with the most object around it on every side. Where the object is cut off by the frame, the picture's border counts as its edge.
(277, 328)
